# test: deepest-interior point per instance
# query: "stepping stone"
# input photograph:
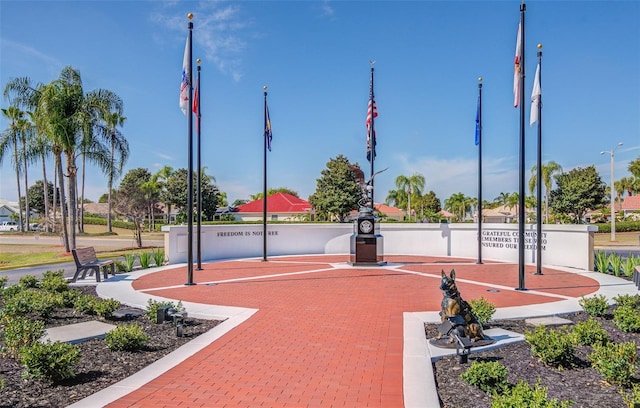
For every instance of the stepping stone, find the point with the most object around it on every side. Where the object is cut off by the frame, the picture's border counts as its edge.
(548, 321)
(77, 333)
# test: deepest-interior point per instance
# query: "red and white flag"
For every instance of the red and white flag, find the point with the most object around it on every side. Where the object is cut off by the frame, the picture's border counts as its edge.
(186, 77)
(516, 68)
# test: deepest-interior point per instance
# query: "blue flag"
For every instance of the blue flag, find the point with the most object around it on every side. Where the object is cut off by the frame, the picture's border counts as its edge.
(478, 126)
(267, 126)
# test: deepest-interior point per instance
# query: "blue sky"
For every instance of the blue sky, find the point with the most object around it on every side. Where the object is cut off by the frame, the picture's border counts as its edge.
(314, 57)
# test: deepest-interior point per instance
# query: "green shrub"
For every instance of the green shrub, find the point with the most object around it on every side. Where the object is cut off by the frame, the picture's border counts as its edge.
(523, 395)
(84, 304)
(615, 261)
(596, 305)
(69, 297)
(590, 332)
(128, 337)
(29, 282)
(145, 260)
(20, 332)
(54, 281)
(120, 266)
(129, 260)
(630, 265)
(28, 301)
(552, 347)
(482, 309)
(627, 319)
(601, 262)
(615, 362)
(3, 283)
(631, 399)
(627, 300)
(152, 308)
(105, 307)
(158, 257)
(490, 377)
(49, 361)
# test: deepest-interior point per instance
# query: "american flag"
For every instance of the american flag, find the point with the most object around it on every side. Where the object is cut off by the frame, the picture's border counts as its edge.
(372, 112)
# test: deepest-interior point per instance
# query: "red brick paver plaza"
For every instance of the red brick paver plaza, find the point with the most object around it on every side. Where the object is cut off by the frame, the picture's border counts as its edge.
(325, 334)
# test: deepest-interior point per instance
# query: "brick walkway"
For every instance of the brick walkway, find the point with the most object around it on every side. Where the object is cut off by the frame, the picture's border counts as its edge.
(325, 334)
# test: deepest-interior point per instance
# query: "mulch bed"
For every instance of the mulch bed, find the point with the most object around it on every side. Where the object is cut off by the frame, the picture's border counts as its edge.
(580, 383)
(98, 367)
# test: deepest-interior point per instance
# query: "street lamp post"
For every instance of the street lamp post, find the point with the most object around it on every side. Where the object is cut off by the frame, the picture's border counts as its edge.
(613, 192)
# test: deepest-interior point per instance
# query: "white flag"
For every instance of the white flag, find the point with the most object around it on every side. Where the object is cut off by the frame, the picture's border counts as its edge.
(186, 76)
(535, 98)
(516, 69)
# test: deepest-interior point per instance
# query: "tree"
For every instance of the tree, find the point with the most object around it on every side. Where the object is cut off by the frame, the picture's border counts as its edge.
(578, 191)
(429, 205)
(412, 185)
(458, 204)
(10, 142)
(176, 192)
(131, 200)
(634, 168)
(624, 184)
(37, 198)
(337, 192)
(161, 177)
(272, 191)
(548, 171)
(119, 150)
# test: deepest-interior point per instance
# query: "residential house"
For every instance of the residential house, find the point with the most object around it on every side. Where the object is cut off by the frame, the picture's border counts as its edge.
(631, 207)
(7, 208)
(280, 207)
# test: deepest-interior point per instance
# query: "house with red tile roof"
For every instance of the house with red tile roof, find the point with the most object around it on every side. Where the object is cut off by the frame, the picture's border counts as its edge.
(631, 206)
(280, 207)
(385, 212)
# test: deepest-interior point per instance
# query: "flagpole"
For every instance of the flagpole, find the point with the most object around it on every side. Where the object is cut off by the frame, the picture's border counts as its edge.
(372, 138)
(479, 141)
(199, 184)
(539, 171)
(190, 164)
(521, 189)
(264, 184)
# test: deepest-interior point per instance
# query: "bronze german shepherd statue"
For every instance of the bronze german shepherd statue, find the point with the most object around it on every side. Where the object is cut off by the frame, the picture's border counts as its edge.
(456, 309)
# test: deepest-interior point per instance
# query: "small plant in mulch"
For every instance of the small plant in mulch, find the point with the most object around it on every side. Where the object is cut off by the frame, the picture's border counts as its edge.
(126, 338)
(523, 395)
(615, 362)
(550, 346)
(627, 318)
(49, 361)
(482, 309)
(589, 332)
(596, 305)
(489, 376)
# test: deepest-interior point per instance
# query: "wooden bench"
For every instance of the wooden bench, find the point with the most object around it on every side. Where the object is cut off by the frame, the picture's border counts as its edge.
(87, 261)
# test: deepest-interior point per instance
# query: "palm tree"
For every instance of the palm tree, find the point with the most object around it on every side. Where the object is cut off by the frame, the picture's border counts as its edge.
(513, 200)
(118, 146)
(457, 204)
(396, 198)
(548, 171)
(412, 185)
(10, 139)
(625, 184)
(161, 177)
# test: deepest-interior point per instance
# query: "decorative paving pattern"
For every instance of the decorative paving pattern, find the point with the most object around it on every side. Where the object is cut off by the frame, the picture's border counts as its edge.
(326, 334)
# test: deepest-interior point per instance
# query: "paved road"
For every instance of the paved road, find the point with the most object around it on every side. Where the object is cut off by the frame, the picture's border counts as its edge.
(69, 268)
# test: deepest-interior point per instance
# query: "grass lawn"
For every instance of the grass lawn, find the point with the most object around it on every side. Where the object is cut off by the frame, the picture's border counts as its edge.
(21, 255)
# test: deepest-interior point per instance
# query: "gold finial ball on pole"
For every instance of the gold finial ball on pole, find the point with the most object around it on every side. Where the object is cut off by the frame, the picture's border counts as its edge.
(190, 16)
(479, 79)
(539, 46)
(264, 87)
(198, 60)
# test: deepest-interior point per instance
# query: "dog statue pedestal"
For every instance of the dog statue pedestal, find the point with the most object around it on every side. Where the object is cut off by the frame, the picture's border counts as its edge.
(366, 241)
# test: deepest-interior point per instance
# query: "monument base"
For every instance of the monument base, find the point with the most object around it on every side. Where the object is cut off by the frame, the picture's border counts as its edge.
(366, 241)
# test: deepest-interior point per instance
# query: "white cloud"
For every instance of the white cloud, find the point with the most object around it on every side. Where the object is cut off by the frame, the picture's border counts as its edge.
(217, 35)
